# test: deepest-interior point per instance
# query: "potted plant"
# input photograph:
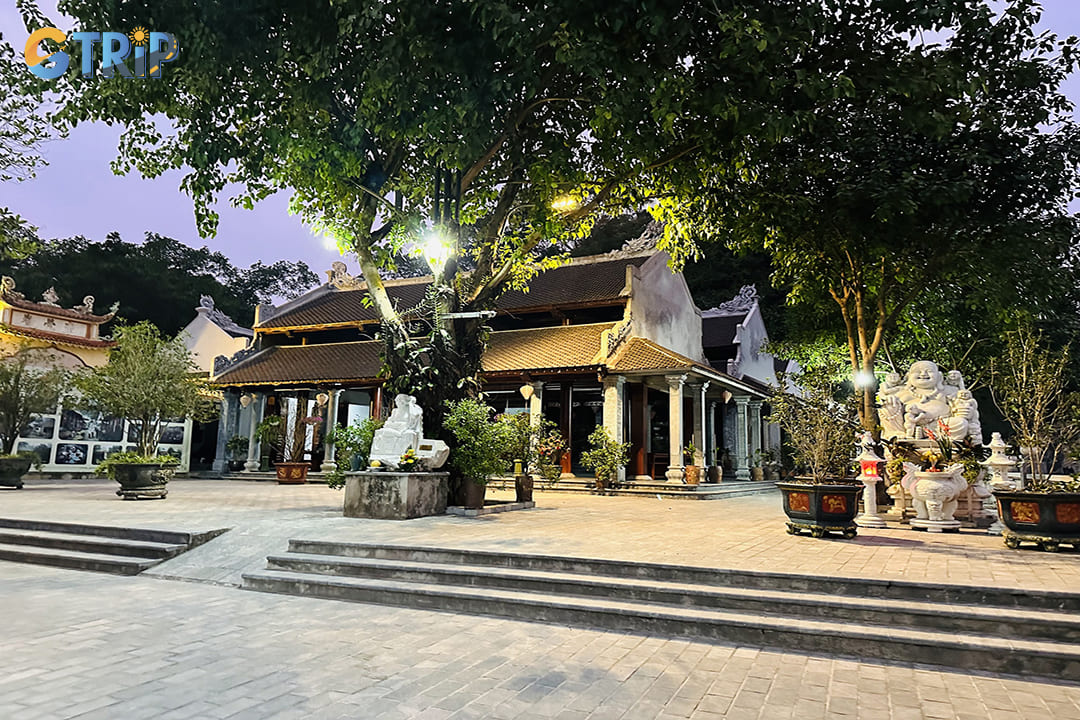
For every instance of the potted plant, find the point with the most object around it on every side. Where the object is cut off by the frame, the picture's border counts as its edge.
(477, 451)
(604, 457)
(289, 440)
(550, 447)
(140, 475)
(691, 472)
(1029, 386)
(821, 426)
(237, 448)
(149, 380)
(24, 392)
(352, 445)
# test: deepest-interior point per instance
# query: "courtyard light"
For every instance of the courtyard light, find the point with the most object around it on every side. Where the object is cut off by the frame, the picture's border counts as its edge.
(436, 250)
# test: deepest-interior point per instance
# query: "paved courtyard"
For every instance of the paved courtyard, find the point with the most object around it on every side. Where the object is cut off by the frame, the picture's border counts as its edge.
(96, 646)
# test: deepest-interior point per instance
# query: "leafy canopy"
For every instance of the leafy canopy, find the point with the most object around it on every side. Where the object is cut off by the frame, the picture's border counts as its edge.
(25, 391)
(149, 380)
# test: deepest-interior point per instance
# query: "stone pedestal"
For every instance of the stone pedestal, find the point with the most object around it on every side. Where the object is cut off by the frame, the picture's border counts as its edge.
(395, 495)
(870, 517)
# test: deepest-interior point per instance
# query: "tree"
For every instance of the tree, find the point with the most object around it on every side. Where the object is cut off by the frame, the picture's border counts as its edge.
(935, 190)
(356, 106)
(159, 281)
(24, 392)
(23, 127)
(149, 381)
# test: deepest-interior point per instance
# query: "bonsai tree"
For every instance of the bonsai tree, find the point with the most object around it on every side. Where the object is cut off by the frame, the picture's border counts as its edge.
(149, 380)
(479, 447)
(24, 392)
(1029, 386)
(820, 422)
(605, 456)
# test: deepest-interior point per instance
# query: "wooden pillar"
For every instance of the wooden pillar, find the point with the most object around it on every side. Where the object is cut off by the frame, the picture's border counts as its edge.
(565, 397)
(639, 428)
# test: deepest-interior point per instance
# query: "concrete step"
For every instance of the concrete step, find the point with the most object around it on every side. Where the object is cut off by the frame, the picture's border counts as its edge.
(99, 548)
(75, 560)
(994, 621)
(92, 544)
(839, 587)
(960, 650)
(127, 533)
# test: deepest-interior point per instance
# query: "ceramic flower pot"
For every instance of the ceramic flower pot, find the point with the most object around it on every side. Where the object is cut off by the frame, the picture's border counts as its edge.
(1046, 519)
(140, 480)
(12, 469)
(821, 508)
(291, 473)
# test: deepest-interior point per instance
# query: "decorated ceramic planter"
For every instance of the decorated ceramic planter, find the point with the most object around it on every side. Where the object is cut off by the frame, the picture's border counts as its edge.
(693, 474)
(1046, 519)
(291, 473)
(141, 480)
(12, 469)
(821, 508)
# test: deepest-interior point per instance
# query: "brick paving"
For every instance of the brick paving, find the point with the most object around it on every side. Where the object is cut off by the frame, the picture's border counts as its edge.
(95, 646)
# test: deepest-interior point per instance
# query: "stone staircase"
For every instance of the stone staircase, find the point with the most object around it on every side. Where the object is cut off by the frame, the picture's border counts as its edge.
(116, 550)
(978, 628)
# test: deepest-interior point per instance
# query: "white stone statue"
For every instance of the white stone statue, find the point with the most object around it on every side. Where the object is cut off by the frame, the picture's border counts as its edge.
(924, 401)
(404, 429)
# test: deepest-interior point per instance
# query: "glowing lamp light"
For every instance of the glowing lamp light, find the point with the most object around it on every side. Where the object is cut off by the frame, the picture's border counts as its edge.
(436, 251)
(526, 391)
(864, 378)
(869, 468)
(322, 398)
(564, 203)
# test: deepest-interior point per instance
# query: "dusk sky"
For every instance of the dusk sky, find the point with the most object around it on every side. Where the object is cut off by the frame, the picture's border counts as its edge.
(77, 194)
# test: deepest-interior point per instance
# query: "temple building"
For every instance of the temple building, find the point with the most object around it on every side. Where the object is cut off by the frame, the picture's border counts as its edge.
(70, 439)
(613, 339)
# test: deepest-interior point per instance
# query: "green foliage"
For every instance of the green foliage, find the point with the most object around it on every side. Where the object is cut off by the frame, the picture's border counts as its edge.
(159, 280)
(351, 441)
(149, 380)
(479, 441)
(820, 421)
(1029, 387)
(605, 456)
(289, 440)
(24, 392)
(237, 447)
(540, 447)
(107, 467)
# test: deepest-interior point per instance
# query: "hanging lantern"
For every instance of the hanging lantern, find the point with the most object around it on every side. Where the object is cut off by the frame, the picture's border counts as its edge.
(246, 400)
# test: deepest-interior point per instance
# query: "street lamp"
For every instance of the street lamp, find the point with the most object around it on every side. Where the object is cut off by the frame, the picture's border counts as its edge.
(436, 251)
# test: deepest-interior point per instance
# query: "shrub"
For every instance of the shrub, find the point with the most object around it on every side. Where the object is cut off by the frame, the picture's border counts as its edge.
(605, 456)
(480, 443)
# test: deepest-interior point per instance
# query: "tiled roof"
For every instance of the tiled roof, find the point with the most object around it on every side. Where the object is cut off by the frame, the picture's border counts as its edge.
(508, 351)
(57, 338)
(287, 364)
(580, 283)
(641, 354)
(53, 310)
(565, 346)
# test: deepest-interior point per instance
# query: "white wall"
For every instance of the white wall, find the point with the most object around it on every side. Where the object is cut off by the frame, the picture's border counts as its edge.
(663, 310)
(206, 341)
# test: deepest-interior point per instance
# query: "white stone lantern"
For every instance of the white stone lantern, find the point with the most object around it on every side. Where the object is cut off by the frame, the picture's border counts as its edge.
(869, 464)
(997, 467)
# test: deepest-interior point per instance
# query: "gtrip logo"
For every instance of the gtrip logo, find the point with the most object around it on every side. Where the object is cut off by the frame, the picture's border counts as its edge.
(148, 52)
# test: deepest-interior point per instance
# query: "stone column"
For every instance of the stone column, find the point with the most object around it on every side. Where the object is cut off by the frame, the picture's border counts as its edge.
(536, 404)
(613, 414)
(711, 450)
(755, 429)
(258, 407)
(742, 455)
(675, 427)
(697, 397)
(329, 463)
(230, 406)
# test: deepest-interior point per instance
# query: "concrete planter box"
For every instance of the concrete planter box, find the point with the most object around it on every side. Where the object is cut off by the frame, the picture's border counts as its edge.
(395, 495)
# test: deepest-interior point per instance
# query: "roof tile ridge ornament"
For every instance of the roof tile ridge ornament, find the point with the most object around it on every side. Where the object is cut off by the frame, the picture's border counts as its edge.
(219, 318)
(643, 244)
(7, 288)
(618, 334)
(87, 307)
(227, 362)
(50, 298)
(338, 277)
(742, 303)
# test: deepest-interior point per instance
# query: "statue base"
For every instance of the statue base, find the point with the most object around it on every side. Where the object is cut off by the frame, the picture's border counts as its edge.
(935, 526)
(395, 495)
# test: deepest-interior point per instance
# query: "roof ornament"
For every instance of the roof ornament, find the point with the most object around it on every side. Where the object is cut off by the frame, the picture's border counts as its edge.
(338, 277)
(643, 243)
(205, 301)
(87, 306)
(49, 297)
(741, 303)
(7, 287)
(114, 307)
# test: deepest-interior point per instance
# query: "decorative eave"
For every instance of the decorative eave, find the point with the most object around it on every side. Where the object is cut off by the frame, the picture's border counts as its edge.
(56, 338)
(49, 307)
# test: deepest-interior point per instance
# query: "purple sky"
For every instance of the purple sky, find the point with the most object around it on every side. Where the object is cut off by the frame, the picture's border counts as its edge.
(77, 194)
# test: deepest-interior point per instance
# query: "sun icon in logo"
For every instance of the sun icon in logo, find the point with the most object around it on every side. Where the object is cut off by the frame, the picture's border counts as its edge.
(139, 36)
